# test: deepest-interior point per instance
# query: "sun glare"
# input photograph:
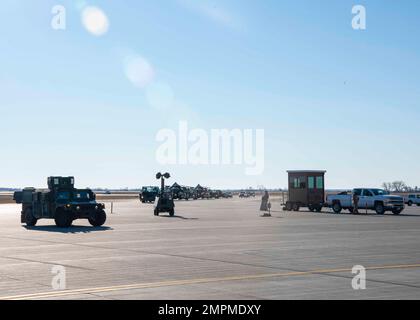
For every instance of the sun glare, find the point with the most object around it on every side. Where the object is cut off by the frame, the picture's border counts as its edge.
(95, 21)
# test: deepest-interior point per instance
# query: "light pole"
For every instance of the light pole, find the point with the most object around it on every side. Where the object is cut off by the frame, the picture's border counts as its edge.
(162, 178)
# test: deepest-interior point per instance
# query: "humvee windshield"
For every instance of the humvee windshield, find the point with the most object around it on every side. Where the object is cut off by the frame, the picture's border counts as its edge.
(150, 189)
(81, 196)
(63, 196)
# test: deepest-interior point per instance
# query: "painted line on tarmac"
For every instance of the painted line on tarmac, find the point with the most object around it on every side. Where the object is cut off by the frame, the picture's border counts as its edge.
(56, 294)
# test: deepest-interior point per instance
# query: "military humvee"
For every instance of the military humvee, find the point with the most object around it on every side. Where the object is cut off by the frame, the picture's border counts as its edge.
(202, 192)
(149, 194)
(193, 193)
(227, 195)
(61, 202)
(177, 192)
(186, 193)
(218, 194)
(214, 194)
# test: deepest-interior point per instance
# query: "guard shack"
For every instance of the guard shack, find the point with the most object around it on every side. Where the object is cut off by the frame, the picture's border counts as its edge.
(306, 189)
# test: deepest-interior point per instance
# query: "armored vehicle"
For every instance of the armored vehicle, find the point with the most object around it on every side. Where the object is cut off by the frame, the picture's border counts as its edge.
(217, 194)
(193, 193)
(149, 194)
(176, 190)
(181, 192)
(187, 194)
(200, 192)
(61, 202)
(227, 195)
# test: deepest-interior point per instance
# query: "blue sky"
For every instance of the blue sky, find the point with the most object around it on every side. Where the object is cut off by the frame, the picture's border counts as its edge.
(327, 96)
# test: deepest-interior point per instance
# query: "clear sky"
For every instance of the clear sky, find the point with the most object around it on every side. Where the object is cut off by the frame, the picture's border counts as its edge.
(327, 96)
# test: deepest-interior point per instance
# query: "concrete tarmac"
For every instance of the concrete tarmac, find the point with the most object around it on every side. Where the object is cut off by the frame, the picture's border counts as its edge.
(212, 249)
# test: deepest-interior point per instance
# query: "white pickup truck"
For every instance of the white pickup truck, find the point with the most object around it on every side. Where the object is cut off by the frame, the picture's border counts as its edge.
(371, 199)
(412, 199)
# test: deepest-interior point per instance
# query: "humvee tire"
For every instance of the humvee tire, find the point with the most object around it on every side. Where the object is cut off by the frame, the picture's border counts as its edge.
(30, 220)
(99, 219)
(62, 219)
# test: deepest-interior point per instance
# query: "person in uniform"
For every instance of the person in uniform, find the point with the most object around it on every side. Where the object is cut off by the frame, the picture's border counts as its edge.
(264, 202)
(355, 203)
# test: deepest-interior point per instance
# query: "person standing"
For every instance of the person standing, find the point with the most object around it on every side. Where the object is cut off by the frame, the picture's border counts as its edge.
(264, 201)
(355, 203)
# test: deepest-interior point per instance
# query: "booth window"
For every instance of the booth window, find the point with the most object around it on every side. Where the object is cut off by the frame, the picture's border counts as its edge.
(311, 182)
(299, 183)
(319, 182)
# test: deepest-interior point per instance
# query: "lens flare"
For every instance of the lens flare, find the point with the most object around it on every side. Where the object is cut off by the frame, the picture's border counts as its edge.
(160, 96)
(95, 21)
(139, 71)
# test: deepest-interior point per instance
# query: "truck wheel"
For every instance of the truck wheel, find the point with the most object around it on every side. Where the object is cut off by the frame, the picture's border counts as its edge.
(410, 203)
(296, 207)
(311, 208)
(30, 220)
(318, 208)
(351, 210)
(288, 206)
(397, 211)
(62, 219)
(156, 212)
(172, 212)
(379, 208)
(99, 219)
(337, 207)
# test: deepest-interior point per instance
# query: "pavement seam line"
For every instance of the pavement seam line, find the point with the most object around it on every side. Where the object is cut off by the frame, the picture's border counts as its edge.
(193, 281)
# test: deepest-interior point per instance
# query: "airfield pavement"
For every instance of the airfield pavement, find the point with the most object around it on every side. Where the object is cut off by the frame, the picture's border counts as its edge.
(212, 249)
